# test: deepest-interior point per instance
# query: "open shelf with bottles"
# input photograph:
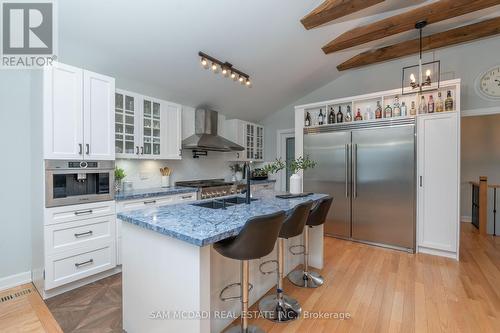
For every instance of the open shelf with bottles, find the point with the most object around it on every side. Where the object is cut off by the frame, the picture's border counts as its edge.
(393, 105)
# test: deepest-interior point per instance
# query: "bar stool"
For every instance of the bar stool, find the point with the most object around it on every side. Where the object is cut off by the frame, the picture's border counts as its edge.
(281, 307)
(255, 240)
(303, 277)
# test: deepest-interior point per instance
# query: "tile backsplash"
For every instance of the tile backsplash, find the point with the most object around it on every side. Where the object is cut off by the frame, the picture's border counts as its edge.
(146, 173)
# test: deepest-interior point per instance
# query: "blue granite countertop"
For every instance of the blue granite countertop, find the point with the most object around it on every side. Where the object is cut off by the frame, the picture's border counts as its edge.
(203, 226)
(152, 192)
(263, 181)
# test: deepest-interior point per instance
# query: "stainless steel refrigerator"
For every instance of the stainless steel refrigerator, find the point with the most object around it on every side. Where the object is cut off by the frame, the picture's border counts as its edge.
(369, 169)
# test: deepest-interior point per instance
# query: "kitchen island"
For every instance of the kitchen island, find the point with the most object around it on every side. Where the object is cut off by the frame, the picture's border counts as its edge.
(171, 275)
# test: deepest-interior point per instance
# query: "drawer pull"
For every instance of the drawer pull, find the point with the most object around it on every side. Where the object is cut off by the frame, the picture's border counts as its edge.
(83, 212)
(84, 234)
(149, 202)
(186, 196)
(85, 263)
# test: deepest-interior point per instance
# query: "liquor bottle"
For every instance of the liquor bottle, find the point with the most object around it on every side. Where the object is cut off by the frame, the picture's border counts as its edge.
(331, 116)
(396, 110)
(340, 115)
(308, 119)
(388, 111)
(348, 114)
(422, 107)
(358, 115)
(413, 109)
(378, 111)
(439, 103)
(321, 117)
(368, 113)
(430, 105)
(448, 102)
(404, 109)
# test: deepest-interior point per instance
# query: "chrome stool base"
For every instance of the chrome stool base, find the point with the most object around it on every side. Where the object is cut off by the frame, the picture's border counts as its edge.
(305, 279)
(287, 309)
(250, 329)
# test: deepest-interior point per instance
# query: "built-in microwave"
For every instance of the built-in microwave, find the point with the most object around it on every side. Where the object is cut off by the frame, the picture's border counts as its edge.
(78, 182)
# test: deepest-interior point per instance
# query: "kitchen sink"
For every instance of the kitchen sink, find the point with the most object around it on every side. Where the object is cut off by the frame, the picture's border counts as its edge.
(222, 203)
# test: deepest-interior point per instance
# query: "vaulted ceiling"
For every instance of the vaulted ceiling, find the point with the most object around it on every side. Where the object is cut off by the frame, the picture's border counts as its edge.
(156, 43)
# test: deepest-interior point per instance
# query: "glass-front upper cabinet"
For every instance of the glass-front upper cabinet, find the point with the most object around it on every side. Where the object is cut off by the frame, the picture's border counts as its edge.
(126, 117)
(151, 128)
(259, 143)
(250, 141)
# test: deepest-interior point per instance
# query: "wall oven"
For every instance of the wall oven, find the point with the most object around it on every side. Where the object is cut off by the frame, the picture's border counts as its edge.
(78, 182)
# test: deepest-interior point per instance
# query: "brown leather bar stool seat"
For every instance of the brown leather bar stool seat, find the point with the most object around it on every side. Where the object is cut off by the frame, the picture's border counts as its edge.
(303, 277)
(281, 307)
(255, 240)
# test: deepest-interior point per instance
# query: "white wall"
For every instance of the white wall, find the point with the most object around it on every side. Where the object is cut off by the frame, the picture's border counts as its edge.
(464, 61)
(480, 153)
(15, 241)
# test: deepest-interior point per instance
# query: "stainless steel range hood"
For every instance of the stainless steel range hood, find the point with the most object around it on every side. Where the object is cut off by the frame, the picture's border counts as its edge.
(205, 134)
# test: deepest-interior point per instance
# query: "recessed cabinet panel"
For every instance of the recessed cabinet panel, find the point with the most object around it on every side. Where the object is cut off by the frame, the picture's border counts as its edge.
(98, 116)
(438, 181)
(63, 112)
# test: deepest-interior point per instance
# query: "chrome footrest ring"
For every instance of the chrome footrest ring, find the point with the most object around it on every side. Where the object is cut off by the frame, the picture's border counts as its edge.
(298, 252)
(232, 285)
(268, 262)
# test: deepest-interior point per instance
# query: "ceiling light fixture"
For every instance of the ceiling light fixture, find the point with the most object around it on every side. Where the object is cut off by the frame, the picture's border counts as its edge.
(425, 83)
(226, 68)
(204, 63)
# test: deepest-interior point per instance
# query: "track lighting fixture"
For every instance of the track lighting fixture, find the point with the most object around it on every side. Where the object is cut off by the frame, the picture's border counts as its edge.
(226, 69)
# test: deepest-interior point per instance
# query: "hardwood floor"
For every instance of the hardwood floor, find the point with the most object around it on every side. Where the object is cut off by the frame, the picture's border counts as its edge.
(391, 291)
(96, 307)
(382, 290)
(23, 310)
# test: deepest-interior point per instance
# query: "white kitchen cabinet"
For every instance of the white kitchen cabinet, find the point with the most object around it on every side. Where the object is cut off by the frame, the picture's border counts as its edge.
(78, 114)
(63, 112)
(99, 121)
(153, 202)
(248, 135)
(146, 127)
(127, 124)
(438, 183)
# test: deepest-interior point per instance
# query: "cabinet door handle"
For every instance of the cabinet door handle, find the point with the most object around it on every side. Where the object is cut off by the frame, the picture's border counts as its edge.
(186, 196)
(80, 264)
(149, 202)
(84, 234)
(83, 212)
(142, 150)
(80, 150)
(137, 150)
(421, 181)
(87, 148)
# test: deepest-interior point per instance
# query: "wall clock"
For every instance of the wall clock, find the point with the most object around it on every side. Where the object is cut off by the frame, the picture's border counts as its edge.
(488, 83)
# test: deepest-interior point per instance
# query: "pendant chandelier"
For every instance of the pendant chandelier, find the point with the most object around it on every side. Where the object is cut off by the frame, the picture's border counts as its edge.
(428, 73)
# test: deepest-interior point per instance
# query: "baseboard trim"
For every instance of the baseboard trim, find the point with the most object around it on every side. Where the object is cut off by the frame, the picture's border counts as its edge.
(45, 294)
(436, 252)
(466, 219)
(15, 280)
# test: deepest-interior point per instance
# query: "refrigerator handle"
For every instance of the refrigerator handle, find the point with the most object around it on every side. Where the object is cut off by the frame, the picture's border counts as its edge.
(346, 170)
(355, 171)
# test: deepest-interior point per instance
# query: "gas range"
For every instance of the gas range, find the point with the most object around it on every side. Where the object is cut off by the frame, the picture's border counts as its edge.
(212, 188)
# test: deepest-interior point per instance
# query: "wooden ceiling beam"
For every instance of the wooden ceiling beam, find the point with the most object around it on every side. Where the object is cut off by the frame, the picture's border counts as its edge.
(334, 9)
(447, 38)
(432, 13)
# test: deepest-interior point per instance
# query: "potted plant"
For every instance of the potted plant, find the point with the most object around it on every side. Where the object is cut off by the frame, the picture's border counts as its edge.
(297, 165)
(237, 170)
(119, 175)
